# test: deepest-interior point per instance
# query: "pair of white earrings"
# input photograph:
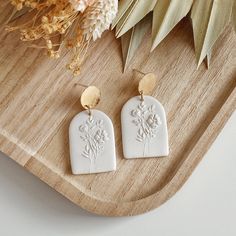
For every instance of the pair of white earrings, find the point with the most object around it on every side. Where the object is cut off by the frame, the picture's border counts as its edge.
(91, 133)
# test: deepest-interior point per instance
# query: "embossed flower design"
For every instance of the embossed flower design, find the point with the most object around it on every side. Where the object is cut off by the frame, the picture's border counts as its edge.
(153, 121)
(147, 122)
(135, 112)
(95, 136)
(101, 136)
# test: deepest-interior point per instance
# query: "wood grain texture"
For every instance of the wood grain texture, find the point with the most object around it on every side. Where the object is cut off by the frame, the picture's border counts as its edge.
(38, 99)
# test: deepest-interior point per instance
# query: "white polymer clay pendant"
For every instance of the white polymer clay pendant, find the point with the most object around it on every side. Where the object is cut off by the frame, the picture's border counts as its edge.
(91, 139)
(144, 126)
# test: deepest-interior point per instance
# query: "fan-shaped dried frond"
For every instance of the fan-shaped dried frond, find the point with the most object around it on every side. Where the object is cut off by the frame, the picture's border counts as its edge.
(166, 14)
(131, 12)
(131, 40)
(209, 18)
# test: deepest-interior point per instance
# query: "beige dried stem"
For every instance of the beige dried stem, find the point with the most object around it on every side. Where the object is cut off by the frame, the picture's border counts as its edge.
(51, 18)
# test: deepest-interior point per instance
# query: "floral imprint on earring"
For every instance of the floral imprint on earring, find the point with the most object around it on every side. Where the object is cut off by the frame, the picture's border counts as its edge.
(148, 122)
(94, 136)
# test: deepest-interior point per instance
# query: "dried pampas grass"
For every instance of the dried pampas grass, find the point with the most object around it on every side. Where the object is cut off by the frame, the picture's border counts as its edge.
(94, 21)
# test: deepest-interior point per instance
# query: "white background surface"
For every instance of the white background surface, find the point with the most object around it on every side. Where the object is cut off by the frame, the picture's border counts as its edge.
(205, 206)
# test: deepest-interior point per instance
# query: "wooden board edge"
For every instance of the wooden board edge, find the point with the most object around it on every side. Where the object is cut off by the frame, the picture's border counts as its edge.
(12, 150)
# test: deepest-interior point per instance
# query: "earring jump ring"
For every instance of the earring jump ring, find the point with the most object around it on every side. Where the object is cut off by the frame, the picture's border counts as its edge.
(141, 94)
(89, 110)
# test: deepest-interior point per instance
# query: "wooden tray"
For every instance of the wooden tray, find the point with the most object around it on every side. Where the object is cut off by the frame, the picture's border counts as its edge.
(38, 99)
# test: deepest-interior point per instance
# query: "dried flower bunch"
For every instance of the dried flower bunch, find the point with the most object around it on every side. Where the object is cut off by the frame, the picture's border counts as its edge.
(76, 22)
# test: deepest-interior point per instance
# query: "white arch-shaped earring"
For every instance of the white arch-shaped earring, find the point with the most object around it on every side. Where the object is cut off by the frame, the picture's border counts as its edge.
(144, 125)
(91, 138)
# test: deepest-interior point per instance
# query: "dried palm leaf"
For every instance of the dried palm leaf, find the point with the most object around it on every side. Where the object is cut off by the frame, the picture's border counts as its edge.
(166, 14)
(131, 40)
(123, 8)
(209, 18)
(208, 58)
(131, 12)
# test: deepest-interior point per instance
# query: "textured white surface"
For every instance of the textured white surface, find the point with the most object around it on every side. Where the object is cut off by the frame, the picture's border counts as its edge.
(206, 205)
(92, 143)
(144, 129)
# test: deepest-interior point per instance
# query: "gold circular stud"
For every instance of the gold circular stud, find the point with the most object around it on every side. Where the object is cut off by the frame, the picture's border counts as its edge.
(147, 84)
(90, 98)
